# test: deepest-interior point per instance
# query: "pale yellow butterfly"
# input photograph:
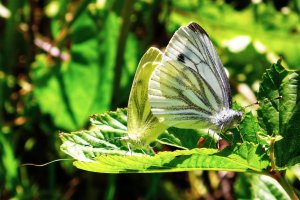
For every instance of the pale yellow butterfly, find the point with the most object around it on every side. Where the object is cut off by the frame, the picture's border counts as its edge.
(143, 127)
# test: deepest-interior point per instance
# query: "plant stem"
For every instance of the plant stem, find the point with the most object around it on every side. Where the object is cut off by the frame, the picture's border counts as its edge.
(111, 187)
(272, 154)
(126, 13)
(9, 56)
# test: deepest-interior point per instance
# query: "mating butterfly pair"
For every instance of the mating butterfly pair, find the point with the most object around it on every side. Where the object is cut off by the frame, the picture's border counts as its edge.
(184, 87)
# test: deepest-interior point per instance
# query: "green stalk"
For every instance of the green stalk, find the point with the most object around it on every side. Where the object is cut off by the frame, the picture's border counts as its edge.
(126, 13)
(9, 42)
(153, 189)
(9, 55)
(111, 187)
(272, 154)
(296, 6)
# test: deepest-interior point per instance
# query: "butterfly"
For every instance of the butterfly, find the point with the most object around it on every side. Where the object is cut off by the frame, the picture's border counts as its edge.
(143, 127)
(189, 88)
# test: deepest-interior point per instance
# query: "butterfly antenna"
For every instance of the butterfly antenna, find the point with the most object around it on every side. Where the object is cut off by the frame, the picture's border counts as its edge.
(250, 105)
(114, 138)
(258, 102)
(42, 165)
(279, 97)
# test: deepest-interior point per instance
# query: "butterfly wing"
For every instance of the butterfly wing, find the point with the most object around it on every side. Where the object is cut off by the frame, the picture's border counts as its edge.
(142, 125)
(192, 47)
(190, 85)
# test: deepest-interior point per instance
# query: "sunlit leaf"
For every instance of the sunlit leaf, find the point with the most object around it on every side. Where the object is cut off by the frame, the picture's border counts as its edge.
(73, 90)
(8, 163)
(101, 149)
(255, 186)
(251, 131)
(265, 187)
(279, 112)
(242, 158)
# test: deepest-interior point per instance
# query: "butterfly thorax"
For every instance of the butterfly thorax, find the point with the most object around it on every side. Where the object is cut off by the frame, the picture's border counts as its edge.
(134, 141)
(226, 119)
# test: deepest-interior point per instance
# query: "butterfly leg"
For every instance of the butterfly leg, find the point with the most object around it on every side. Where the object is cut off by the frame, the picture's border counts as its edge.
(143, 152)
(223, 141)
(213, 138)
(129, 149)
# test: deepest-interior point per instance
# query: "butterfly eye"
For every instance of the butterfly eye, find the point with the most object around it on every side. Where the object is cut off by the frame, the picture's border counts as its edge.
(238, 116)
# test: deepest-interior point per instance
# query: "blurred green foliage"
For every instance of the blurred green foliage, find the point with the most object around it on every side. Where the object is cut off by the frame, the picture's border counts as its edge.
(61, 61)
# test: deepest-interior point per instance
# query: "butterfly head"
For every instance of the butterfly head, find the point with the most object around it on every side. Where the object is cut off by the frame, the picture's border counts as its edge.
(236, 117)
(226, 119)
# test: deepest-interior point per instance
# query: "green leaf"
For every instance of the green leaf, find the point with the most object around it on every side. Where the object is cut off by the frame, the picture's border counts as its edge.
(280, 117)
(265, 187)
(185, 138)
(269, 26)
(107, 52)
(8, 164)
(251, 131)
(101, 149)
(72, 90)
(258, 187)
(243, 158)
(104, 137)
(242, 186)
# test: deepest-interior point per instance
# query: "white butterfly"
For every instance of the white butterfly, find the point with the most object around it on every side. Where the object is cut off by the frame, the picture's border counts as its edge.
(190, 89)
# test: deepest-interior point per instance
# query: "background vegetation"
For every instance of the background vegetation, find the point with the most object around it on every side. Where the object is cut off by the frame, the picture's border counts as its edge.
(61, 61)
